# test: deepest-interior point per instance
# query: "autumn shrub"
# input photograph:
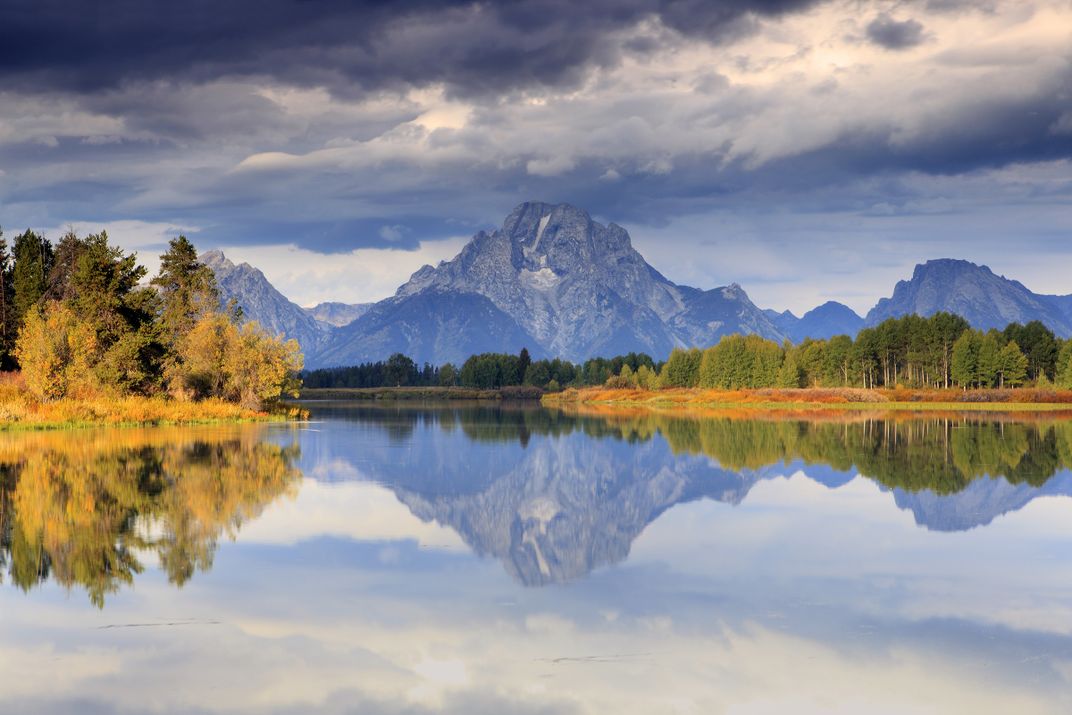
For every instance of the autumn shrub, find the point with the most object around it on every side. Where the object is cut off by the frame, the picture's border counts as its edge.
(242, 364)
(57, 352)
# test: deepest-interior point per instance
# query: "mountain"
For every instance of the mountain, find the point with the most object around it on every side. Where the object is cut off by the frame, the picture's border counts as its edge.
(974, 292)
(572, 288)
(436, 327)
(338, 314)
(826, 321)
(553, 280)
(261, 302)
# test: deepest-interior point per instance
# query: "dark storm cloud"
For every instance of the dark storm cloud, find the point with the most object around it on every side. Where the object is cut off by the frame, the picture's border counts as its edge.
(475, 48)
(895, 34)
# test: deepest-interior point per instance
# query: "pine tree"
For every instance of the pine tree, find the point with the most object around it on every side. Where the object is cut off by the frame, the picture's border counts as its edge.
(187, 289)
(523, 362)
(29, 278)
(8, 327)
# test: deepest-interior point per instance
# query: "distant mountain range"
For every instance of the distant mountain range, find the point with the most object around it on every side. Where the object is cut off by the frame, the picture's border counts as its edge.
(975, 293)
(555, 281)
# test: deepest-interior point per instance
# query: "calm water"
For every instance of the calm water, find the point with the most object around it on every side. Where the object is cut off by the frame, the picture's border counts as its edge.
(476, 560)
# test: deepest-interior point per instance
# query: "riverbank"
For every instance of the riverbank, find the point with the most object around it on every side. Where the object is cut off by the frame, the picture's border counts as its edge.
(19, 411)
(421, 393)
(812, 399)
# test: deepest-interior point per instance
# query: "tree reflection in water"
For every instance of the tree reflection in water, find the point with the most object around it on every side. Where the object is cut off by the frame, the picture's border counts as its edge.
(85, 508)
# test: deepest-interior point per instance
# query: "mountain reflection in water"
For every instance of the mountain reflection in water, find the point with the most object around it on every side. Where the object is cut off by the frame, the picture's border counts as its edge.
(551, 495)
(555, 495)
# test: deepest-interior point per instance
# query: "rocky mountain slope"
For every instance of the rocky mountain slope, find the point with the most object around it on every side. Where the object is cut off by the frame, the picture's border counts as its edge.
(553, 280)
(974, 292)
(573, 288)
(261, 302)
(338, 314)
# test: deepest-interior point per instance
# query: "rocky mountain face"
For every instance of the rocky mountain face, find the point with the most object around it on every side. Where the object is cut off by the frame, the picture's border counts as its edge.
(572, 287)
(556, 282)
(974, 292)
(826, 321)
(261, 302)
(338, 314)
(433, 326)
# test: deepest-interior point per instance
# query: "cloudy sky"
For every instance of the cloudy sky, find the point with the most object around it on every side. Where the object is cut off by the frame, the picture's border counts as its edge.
(807, 150)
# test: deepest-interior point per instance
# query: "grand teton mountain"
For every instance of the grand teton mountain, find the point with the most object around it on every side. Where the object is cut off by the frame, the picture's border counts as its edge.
(560, 284)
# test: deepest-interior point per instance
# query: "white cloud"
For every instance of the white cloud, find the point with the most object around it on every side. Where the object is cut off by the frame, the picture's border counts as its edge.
(361, 511)
(360, 276)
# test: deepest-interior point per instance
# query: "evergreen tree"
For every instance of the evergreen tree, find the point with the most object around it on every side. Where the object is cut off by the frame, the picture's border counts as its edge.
(524, 360)
(67, 252)
(187, 289)
(8, 326)
(33, 265)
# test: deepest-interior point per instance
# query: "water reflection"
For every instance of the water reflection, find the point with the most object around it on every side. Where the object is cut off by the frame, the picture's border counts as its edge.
(753, 570)
(85, 508)
(559, 494)
(551, 495)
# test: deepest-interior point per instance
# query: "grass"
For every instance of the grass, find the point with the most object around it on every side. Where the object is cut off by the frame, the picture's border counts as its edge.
(811, 399)
(20, 410)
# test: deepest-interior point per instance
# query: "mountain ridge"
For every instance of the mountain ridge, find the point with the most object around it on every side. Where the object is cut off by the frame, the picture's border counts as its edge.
(974, 292)
(555, 281)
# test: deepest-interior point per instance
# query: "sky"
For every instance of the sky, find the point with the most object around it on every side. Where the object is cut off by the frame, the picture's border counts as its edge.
(807, 150)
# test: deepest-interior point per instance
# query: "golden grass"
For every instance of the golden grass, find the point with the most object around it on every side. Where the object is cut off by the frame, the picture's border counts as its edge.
(21, 410)
(823, 399)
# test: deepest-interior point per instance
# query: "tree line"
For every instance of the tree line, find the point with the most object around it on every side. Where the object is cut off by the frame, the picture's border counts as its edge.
(483, 371)
(940, 351)
(78, 320)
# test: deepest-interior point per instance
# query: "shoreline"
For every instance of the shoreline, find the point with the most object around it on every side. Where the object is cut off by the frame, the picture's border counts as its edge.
(816, 399)
(434, 394)
(18, 414)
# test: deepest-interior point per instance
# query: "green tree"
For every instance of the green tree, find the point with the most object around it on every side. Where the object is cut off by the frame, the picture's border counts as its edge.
(682, 369)
(1064, 366)
(33, 265)
(8, 325)
(65, 258)
(1039, 344)
(448, 375)
(538, 374)
(399, 370)
(524, 360)
(987, 363)
(1012, 366)
(965, 359)
(790, 374)
(187, 289)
